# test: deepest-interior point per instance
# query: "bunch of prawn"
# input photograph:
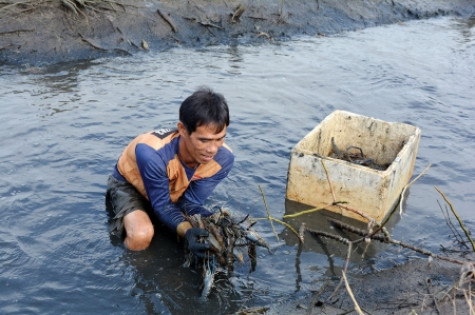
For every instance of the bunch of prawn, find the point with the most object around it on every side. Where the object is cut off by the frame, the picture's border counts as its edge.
(228, 242)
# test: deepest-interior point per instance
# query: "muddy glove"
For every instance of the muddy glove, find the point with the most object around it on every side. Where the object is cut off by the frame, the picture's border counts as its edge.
(197, 240)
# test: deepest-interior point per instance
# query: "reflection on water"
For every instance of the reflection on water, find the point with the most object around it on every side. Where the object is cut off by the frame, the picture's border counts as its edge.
(63, 128)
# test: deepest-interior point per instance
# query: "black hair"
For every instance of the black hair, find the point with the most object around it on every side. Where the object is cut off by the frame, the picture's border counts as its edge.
(204, 107)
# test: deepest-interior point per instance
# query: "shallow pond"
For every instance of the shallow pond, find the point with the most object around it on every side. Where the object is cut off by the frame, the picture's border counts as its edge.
(64, 127)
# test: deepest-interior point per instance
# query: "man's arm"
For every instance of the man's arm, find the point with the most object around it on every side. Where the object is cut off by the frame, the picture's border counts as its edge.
(153, 169)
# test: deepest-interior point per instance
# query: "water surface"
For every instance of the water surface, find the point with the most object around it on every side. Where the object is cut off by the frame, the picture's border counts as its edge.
(64, 127)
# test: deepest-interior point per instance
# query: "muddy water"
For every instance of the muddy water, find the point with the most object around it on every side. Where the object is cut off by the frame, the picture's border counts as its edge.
(64, 127)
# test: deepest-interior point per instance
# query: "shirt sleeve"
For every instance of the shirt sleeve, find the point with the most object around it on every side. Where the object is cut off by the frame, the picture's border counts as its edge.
(199, 190)
(153, 169)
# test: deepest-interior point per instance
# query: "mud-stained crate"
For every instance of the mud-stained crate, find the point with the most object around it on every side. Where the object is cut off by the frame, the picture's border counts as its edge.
(369, 161)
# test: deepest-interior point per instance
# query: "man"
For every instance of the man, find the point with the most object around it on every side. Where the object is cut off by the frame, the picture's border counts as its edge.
(174, 171)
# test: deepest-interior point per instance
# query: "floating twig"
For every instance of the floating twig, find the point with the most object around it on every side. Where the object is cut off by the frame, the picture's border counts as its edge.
(281, 222)
(467, 233)
(352, 296)
(288, 226)
(268, 213)
(409, 185)
(287, 216)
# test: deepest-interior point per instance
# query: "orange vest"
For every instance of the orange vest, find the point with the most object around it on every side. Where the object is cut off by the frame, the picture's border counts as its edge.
(178, 180)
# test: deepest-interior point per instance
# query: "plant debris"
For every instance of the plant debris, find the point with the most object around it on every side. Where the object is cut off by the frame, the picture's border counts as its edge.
(229, 242)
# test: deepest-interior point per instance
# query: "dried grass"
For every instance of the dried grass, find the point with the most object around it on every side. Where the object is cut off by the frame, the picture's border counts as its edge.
(76, 7)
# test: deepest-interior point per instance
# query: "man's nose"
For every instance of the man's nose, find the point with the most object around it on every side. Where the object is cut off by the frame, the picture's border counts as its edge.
(212, 147)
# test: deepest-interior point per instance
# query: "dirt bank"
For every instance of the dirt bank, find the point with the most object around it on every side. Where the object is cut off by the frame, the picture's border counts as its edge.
(38, 32)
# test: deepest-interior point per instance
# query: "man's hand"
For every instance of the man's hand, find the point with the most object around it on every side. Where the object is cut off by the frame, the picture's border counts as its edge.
(197, 240)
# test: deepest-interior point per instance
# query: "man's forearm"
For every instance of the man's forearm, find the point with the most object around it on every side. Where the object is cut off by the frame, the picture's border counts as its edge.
(182, 228)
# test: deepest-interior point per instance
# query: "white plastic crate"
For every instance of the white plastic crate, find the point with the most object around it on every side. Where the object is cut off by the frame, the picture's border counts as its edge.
(371, 191)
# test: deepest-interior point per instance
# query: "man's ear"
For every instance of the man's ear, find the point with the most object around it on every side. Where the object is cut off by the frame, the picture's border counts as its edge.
(181, 129)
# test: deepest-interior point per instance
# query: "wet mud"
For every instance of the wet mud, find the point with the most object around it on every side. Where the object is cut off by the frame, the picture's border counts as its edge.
(42, 32)
(421, 286)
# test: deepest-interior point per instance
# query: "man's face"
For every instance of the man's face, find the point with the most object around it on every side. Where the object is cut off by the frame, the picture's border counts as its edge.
(202, 145)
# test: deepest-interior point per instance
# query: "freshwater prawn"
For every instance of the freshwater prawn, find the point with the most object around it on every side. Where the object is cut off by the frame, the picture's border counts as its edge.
(209, 270)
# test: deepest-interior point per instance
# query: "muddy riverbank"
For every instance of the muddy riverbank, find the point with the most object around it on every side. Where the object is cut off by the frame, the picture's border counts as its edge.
(39, 32)
(421, 286)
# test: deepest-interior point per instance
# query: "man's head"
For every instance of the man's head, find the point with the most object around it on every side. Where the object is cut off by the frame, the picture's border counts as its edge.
(204, 107)
(204, 117)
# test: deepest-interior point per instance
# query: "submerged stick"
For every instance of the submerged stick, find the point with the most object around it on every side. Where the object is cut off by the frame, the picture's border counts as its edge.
(317, 296)
(383, 239)
(455, 232)
(467, 233)
(330, 236)
(341, 225)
